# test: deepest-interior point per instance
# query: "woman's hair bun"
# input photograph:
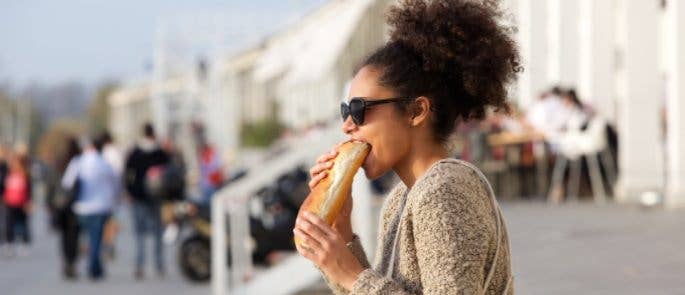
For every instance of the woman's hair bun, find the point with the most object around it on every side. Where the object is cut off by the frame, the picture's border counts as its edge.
(458, 53)
(460, 38)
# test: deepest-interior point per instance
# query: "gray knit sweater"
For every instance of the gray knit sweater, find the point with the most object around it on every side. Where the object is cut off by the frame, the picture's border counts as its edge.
(447, 238)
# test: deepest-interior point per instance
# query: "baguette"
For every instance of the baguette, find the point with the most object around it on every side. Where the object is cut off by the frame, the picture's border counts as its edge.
(329, 195)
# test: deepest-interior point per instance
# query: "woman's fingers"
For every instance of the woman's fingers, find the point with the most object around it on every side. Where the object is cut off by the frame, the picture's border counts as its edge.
(323, 164)
(306, 239)
(319, 228)
(306, 247)
(318, 168)
(315, 180)
(313, 231)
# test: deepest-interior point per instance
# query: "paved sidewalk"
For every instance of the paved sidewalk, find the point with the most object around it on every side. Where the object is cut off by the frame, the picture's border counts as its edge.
(566, 249)
(597, 250)
(39, 273)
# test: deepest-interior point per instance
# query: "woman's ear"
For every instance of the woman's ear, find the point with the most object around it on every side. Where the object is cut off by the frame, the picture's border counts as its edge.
(420, 111)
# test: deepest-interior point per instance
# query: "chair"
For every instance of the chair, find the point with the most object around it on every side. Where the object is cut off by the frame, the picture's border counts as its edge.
(589, 144)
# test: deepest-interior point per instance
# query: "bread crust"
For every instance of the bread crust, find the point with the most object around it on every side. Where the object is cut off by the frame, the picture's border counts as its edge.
(329, 195)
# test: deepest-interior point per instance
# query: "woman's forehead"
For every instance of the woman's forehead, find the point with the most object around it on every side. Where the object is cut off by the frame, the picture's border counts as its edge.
(365, 84)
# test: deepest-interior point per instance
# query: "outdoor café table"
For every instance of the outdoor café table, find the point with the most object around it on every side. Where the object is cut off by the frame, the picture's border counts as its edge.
(511, 138)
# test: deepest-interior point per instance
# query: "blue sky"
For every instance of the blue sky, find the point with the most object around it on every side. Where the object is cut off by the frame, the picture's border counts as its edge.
(52, 41)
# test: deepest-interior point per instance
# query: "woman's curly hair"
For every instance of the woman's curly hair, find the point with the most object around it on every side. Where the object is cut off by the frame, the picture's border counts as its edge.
(456, 53)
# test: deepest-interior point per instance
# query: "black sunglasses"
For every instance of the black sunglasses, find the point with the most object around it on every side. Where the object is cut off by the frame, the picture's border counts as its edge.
(357, 107)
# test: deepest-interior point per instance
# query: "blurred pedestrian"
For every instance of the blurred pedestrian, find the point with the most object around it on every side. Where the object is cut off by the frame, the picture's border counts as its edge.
(175, 173)
(60, 203)
(211, 173)
(17, 200)
(579, 114)
(143, 169)
(111, 153)
(4, 169)
(548, 115)
(211, 168)
(109, 150)
(98, 189)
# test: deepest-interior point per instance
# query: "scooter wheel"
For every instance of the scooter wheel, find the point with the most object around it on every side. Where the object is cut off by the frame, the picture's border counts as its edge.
(194, 258)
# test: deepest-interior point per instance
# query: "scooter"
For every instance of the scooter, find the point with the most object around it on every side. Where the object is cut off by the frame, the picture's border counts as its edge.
(273, 210)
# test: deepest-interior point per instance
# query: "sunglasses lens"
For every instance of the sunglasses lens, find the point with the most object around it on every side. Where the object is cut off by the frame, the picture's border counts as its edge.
(344, 111)
(357, 111)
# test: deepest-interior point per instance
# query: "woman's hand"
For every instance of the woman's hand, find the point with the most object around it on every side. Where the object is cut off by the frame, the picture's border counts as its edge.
(326, 248)
(342, 223)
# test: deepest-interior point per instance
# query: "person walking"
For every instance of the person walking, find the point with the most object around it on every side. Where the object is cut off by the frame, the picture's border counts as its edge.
(17, 201)
(211, 167)
(4, 169)
(98, 189)
(60, 203)
(105, 145)
(143, 170)
(441, 229)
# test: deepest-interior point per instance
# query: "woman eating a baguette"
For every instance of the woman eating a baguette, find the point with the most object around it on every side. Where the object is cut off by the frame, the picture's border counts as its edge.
(441, 230)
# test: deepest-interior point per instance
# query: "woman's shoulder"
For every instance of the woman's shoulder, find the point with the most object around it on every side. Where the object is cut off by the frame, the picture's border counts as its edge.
(452, 181)
(451, 173)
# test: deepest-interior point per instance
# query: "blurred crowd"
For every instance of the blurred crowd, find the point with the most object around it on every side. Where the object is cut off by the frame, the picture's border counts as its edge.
(85, 184)
(559, 147)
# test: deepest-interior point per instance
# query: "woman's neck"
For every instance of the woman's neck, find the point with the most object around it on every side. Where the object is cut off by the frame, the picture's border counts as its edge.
(418, 161)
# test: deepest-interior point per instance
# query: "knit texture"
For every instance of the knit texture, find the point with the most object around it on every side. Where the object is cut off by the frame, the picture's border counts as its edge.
(447, 238)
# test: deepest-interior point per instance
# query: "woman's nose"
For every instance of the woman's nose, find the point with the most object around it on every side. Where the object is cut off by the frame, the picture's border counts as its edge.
(348, 125)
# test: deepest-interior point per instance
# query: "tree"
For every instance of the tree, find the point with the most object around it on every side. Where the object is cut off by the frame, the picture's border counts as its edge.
(261, 133)
(52, 143)
(99, 110)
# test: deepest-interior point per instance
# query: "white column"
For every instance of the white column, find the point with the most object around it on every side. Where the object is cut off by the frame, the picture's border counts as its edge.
(640, 141)
(159, 100)
(363, 218)
(562, 36)
(675, 67)
(596, 68)
(224, 108)
(532, 38)
(219, 244)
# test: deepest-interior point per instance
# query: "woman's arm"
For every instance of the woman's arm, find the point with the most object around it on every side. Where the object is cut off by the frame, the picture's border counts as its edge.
(357, 250)
(452, 230)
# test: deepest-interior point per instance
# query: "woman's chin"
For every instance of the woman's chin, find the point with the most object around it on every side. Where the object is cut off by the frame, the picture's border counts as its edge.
(372, 173)
(369, 174)
(371, 170)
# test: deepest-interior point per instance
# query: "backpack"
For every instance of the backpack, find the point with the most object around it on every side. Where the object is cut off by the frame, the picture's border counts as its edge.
(164, 182)
(154, 182)
(16, 190)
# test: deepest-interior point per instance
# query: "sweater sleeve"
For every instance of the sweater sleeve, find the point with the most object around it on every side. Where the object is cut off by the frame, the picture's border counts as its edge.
(358, 251)
(451, 229)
